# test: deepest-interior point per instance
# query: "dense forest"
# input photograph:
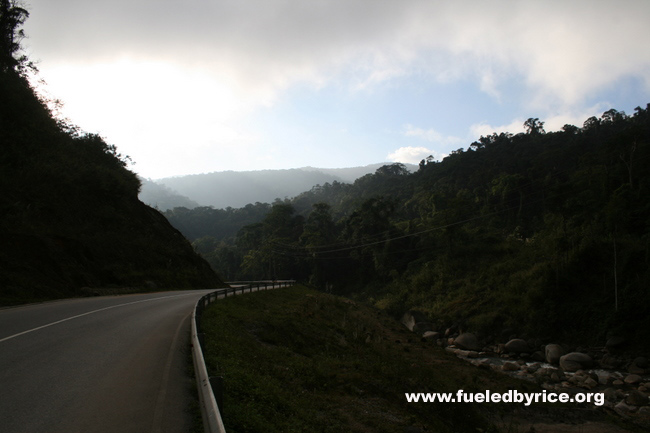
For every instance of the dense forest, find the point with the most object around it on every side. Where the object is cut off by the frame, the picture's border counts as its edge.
(70, 220)
(544, 234)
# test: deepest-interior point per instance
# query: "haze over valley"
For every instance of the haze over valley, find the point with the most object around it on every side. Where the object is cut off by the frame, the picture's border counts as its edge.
(237, 189)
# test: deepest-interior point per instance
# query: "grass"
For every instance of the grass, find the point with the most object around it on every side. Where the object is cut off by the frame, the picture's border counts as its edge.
(297, 360)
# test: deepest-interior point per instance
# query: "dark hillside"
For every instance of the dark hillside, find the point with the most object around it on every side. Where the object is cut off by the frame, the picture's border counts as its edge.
(69, 212)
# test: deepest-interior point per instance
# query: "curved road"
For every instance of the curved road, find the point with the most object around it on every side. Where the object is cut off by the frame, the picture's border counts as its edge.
(106, 364)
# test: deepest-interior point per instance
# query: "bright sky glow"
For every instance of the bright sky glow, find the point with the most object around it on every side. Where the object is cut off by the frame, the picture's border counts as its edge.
(211, 85)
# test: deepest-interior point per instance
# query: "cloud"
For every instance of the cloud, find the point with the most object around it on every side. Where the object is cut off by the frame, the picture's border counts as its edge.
(413, 155)
(431, 135)
(563, 51)
(196, 69)
(484, 129)
(428, 134)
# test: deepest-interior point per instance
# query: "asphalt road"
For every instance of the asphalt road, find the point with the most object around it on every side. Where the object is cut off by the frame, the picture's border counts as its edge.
(105, 364)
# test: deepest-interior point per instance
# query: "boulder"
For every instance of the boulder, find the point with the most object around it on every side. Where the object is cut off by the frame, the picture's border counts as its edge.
(431, 335)
(610, 394)
(623, 407)
(467, 341)
(589, 383)
(640, 362)
(637, 398)
(575, 361)
(410, 318)
(532, 368)
(517, 345)
(553, 352)
(543, 372)
(635, 369)
(510, 366)
(632, 379)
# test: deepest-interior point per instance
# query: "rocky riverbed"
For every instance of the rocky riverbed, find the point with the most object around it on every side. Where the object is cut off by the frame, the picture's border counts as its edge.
(624, 380)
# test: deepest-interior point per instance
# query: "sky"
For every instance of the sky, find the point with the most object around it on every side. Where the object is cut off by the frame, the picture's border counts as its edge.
(197, 86)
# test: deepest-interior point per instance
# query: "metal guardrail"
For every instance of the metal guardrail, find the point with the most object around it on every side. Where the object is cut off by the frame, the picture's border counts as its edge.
(212, 422)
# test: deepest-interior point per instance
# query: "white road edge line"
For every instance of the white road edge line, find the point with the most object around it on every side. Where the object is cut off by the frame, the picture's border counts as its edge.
(90, 312)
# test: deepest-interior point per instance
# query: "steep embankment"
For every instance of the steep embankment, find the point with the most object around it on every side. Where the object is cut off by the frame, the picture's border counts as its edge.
(69, 212)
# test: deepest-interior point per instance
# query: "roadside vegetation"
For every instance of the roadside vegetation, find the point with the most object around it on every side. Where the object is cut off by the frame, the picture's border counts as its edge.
(298, 360)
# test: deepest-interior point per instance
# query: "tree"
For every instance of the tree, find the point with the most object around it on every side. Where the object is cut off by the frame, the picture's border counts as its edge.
(396, 169)
(428, 160)
(591, 123)
(612, 116)
(319, 231)
(570, 129)
(369, 227)
(534, 126)
(12, 16)
(320, 228)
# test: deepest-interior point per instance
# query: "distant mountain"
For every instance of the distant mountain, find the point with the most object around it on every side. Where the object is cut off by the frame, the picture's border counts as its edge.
(162, 197)
(351, 174)
(238, 188)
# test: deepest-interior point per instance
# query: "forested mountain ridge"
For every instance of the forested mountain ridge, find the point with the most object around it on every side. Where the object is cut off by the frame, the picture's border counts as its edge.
(350, 174)
(225, 189)
(70, 219)
(543, 233)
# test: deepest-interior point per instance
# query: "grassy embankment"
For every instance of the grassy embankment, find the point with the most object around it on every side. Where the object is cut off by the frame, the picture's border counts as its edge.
(297, 360)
